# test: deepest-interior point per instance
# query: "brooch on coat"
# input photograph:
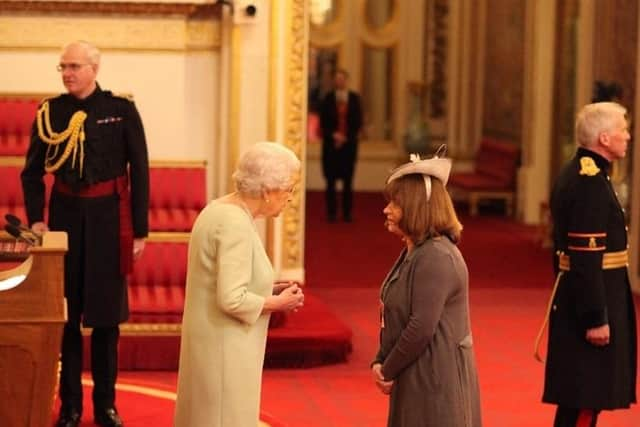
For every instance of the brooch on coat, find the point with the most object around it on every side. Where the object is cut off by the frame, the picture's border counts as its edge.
(588, 166)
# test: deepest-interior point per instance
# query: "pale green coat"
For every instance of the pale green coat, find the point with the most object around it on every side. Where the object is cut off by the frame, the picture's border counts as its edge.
(223, 331)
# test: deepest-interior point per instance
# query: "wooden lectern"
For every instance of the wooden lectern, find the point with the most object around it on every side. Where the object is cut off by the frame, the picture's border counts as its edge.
(32, 315)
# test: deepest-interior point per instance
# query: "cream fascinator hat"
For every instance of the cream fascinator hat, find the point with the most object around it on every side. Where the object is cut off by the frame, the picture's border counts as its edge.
(436, 167)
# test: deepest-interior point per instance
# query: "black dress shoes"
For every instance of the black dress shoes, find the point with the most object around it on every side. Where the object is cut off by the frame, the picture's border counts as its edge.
(107, 418)
(68, 418)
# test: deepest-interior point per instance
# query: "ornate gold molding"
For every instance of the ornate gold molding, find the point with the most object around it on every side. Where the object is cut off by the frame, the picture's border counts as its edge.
(295, 118)
(178, 163)
(16, 161)
(122, 26)
(185, 9)
(385, 36)
(145, 329)
(202, 34)
(233, 145)
(169, 237)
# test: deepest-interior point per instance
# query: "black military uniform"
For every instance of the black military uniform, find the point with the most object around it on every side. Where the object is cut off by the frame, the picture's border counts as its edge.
(590, 239)
(338, 163)
(100, 198)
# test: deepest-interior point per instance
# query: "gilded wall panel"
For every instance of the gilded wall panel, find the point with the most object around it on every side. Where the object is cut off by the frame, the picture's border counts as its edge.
(504, 70)
(44, 25)
(614, 63)
(564, 99)
(295, 119)
(615, 42)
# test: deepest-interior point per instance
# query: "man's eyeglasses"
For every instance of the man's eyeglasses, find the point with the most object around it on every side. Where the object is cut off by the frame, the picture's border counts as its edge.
(72, 67)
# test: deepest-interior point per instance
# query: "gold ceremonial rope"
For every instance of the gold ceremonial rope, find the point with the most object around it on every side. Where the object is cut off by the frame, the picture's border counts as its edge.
(536, 348)
(73, 134)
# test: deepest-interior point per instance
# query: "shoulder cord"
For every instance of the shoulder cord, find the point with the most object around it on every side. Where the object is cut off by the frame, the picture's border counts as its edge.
(73, 134)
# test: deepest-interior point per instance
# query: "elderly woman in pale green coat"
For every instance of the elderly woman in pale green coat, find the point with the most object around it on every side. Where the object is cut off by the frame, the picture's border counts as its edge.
(425, 360)
(230, 295)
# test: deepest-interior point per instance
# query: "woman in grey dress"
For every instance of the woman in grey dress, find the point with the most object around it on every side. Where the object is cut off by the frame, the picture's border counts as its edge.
(425, 361)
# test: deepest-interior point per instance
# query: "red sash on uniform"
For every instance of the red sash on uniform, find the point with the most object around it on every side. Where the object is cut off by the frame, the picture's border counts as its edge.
(119, 186)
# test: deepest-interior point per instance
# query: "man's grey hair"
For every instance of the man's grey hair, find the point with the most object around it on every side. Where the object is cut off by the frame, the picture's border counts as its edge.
(93, 53)
(593, 119)
(265, 166)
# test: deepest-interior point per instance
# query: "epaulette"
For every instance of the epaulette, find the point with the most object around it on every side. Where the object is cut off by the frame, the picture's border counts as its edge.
(127, 96)
(49, 98)
(588, 166)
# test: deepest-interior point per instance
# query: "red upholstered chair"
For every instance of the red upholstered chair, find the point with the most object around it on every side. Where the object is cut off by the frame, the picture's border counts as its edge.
(150, 339)
(17, 113)
(177, 195)
(156, 286)
(16, 117)
(493, 177)
(11, 197)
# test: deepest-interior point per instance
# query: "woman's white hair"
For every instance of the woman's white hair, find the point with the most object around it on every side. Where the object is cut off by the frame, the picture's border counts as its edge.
(593, 119)
(265, 166)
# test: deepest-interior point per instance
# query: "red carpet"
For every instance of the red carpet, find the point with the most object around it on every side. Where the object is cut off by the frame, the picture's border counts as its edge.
(145, 403)
(348, 254)
(510, 284)
(510, 279)
(313, 336)
(359, 254)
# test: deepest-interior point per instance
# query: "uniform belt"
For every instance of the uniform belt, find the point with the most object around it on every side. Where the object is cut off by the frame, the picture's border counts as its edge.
(105, 188)
(610, 260)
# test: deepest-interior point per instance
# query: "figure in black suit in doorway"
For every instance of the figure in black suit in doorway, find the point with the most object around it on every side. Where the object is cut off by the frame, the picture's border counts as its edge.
(340, 121)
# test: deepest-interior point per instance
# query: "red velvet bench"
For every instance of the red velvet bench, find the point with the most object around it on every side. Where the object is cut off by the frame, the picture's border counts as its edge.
(17, 113)
(177, 194)
(11, 197)
(151, 337)
(493, 177)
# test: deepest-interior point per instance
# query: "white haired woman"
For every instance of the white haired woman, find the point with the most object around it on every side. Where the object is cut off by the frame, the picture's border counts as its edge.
(230, 294)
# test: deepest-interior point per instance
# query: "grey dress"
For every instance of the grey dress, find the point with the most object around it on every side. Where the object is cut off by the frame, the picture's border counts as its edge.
(425, 340)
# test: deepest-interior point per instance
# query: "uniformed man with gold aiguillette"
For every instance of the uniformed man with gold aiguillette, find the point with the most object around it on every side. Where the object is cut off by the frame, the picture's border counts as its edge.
(591, 361)
(94, 144)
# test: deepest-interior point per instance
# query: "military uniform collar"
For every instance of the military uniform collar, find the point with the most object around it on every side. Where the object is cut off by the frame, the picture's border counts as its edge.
(600, 161)
(89, 99)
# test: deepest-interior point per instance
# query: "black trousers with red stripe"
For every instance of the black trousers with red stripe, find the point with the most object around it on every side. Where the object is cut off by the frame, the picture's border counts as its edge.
(572, 417)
